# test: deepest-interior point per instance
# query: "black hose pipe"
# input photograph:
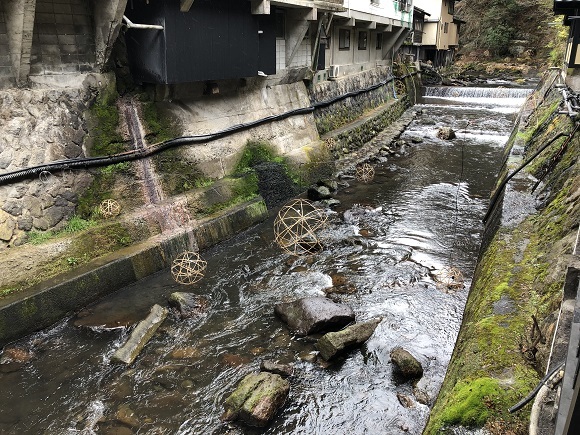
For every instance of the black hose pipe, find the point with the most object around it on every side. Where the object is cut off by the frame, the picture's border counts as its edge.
(88, 162)
(533, 393)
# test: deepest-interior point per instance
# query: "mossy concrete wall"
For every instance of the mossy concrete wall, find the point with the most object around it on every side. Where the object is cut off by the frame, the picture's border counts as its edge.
(508, 325)
(42, 305)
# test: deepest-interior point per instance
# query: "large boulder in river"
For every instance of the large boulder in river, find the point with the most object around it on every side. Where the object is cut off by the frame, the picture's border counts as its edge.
(406, 363)
(318, 193)
(256, 399)
(314, 314)
(335, 343)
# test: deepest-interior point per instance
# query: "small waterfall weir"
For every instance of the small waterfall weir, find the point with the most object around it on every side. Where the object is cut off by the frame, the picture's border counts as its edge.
(382, 248)
(475, 92)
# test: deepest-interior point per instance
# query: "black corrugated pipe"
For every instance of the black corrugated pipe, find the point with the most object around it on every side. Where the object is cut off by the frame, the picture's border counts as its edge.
(87, 162)
(533, 393)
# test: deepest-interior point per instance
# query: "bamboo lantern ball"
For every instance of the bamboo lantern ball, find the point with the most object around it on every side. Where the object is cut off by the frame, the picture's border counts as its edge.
(109, 208)
(365, 173)
(295, 227)
(188, 268)
(330, 143)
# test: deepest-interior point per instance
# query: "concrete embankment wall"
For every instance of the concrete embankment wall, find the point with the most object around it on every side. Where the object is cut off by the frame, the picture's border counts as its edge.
(503, 347)
(53, 299)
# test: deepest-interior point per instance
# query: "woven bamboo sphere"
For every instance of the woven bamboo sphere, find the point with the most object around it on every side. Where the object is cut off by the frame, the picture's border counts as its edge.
(450, 278)
(330, 143)
(296, 225)
(188, 268)
(365, 173)
(109, 208)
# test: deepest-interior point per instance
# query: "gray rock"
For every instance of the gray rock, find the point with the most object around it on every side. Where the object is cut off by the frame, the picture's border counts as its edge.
(7, 226)
(256, 399)
(188, 304)
(416, 139)
(25, 223)
(333, 344)
(318, 193)
(332, 185)
(284, 370)
(53, 215)
(406, 363)
(313, 314)
(13, 207)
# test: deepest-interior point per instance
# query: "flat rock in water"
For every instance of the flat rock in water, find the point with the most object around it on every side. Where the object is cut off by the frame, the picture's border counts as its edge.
(314, 314)
(335, 343)
(140, 336)
(256, 399)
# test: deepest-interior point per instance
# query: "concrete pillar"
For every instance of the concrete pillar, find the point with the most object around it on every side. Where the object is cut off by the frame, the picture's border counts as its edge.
(20, 25)
(297, 24)
(391, 41)
(108, 19)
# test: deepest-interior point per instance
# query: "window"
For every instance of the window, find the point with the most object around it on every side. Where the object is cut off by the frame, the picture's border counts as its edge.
(280, 24)
(379, 45)
(446, 28)
(344, 39)
(362, 40)
(451, 6)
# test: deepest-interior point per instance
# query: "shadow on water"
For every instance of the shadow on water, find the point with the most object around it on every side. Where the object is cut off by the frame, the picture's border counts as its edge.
(422, 212)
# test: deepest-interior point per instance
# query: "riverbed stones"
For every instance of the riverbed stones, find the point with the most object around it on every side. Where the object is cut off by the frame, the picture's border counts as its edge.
(406, 363)
(188, 304)
(284, 370)
(314, 314)
(446, 133)
(333, 344)
(256, 399)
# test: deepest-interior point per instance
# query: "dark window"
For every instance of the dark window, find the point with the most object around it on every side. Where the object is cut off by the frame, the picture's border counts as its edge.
(379, 41)
(344, 39)
(362, 40)
(451, 6)
(446, 28)
(280, 24)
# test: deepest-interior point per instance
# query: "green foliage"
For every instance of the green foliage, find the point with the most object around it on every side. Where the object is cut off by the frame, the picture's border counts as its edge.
(159, 127)
(177, 174)
(469, 405)
(497, 39)
(557, 45)
(255, 152)
(105, 116)
(74, 225)
(116, 167)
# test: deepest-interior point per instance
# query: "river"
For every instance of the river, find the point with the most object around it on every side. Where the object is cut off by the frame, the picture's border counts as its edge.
(386, 242)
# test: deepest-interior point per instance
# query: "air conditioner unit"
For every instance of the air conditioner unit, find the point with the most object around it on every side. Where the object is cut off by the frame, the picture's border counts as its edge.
(334, 71)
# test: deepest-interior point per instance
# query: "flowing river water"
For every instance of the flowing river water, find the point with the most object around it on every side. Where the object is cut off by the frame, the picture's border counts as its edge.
(385, 243)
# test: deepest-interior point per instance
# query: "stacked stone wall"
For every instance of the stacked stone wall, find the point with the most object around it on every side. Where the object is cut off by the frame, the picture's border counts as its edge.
(40, 126)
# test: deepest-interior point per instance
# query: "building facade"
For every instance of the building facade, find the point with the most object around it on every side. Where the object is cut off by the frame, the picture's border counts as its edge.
(441, 31)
